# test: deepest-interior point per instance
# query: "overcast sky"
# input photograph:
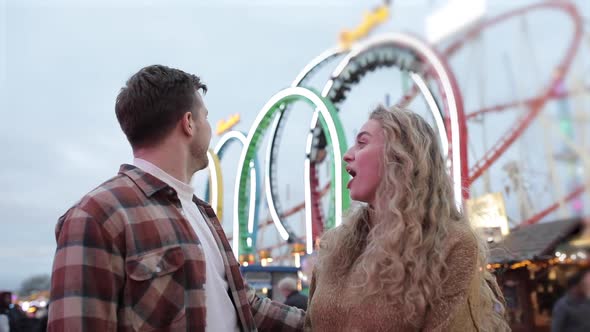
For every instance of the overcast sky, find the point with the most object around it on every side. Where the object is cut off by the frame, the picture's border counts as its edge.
(63, 62)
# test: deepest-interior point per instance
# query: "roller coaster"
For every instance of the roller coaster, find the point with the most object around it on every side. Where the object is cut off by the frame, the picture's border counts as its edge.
(432, 78)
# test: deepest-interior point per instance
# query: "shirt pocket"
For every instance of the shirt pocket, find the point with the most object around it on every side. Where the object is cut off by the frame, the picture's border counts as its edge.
(155, 289)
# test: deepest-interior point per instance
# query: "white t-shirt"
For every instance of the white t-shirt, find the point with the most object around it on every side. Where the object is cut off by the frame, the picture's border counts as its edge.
(221, 314)
(4, 323)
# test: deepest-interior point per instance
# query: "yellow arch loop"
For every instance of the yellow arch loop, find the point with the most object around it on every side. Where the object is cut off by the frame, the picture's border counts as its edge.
(216, 181)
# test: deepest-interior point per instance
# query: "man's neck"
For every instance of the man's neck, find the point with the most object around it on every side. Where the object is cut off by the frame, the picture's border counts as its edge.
(171, 162)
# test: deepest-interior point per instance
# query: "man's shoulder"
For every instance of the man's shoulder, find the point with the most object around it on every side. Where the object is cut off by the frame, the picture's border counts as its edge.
(114, 193)
(115, 190)
(562, 303)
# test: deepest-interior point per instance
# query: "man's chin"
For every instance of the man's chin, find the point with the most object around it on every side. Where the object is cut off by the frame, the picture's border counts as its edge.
(200, 161)
(201, 166)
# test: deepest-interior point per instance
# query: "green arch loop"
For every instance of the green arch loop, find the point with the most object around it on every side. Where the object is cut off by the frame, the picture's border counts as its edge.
(329, 124)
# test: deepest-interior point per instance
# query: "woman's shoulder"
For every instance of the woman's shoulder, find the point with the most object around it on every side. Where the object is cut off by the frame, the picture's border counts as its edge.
(327, 238)
(461, 230)
(461, 237)
(331, 236)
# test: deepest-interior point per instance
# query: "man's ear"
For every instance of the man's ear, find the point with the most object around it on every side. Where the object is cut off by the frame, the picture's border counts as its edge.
(187, 123)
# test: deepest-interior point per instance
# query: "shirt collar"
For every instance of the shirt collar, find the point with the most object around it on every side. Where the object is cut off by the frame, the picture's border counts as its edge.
(185, 191)
(148, 183)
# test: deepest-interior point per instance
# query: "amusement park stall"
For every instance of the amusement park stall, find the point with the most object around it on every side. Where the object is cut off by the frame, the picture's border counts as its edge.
(533, 264)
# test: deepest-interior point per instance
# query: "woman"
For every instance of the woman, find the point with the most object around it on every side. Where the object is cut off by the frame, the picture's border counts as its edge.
(407, 260)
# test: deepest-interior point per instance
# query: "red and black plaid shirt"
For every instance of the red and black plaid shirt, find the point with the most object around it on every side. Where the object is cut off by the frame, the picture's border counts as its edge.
(128, 260)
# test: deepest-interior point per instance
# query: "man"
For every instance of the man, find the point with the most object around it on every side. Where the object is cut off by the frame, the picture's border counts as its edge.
(141, 252)
(288, 287)
(571, 312)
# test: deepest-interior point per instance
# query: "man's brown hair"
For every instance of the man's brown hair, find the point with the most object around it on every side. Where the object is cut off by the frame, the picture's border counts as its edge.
(152, 101)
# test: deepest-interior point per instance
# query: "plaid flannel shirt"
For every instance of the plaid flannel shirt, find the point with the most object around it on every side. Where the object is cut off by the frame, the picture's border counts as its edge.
(128, 260)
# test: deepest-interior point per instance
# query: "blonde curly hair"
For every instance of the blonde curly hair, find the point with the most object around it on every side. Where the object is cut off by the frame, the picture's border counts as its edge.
(403, 257)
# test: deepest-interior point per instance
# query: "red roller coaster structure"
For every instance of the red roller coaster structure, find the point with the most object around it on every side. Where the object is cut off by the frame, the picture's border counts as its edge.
(533, 105)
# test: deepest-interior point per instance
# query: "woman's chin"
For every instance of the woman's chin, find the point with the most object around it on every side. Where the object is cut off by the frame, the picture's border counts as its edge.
(358, 198)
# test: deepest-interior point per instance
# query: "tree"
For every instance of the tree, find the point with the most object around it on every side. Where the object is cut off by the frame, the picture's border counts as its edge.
(34, 284)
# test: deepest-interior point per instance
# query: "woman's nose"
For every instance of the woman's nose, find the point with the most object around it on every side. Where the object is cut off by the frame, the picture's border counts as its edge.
(347, 156)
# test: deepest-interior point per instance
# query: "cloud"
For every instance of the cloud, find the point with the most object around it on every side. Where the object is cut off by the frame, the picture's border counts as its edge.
(27, 252)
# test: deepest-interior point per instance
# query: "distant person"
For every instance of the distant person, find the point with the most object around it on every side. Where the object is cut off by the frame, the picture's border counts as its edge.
(293, 298)
(571, 312)
(4, 307)
(43, 320)
(141, 251)
(13, 313)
